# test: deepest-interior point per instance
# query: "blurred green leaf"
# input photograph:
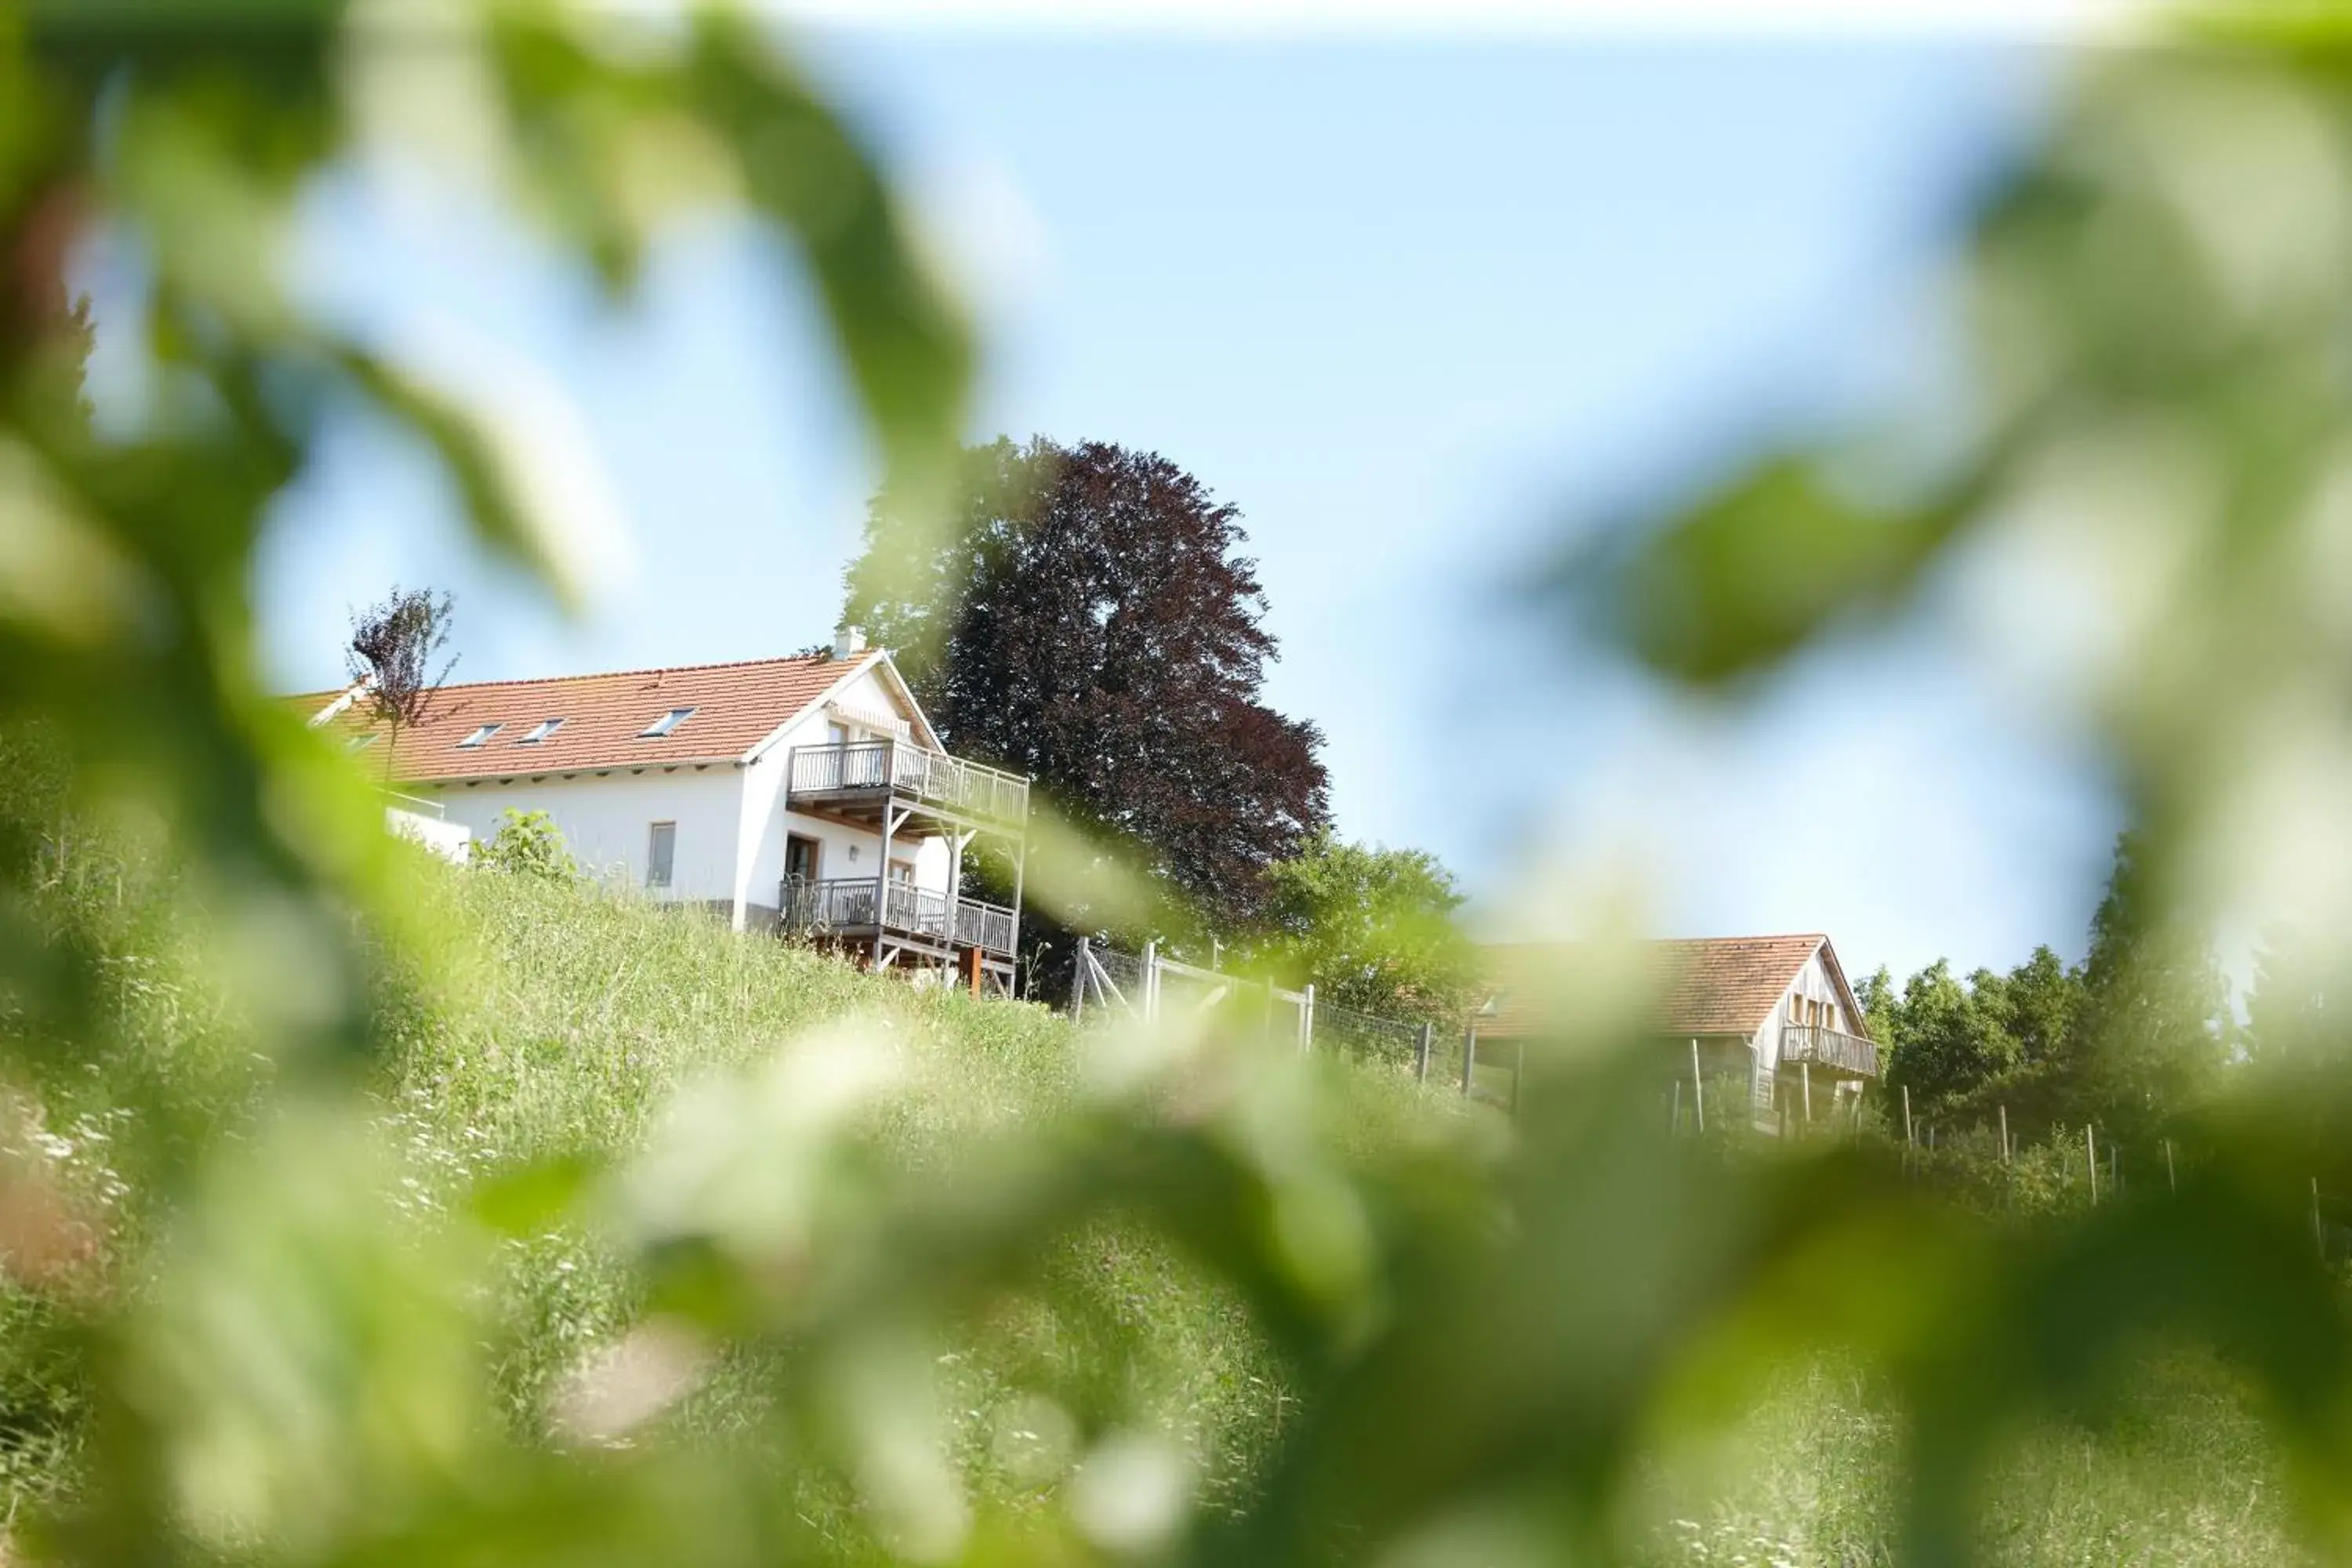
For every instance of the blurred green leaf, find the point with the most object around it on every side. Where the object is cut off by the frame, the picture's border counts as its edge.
(1756, 571)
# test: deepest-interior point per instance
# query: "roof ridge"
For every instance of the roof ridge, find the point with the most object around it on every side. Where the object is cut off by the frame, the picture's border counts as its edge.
(813, 659)
(1766, 936)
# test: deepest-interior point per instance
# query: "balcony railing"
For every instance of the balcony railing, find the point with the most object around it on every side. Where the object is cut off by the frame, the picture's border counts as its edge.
(987, 927)
(849, 904)
(858, 767)
(1833, 1049)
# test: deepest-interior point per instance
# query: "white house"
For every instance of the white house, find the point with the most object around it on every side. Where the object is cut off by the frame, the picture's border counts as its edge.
(807, 792)
(1776, 1009)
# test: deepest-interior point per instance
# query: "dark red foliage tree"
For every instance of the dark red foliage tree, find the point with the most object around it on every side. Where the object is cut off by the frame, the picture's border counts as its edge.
(1086, 618)
(395, 648)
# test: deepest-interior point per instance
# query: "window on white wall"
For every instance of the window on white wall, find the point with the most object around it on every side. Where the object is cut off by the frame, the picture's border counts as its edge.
(661, 854)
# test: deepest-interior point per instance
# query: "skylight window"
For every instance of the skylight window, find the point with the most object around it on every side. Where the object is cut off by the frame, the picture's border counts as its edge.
(667, 724)
(539, 732)
(363, 741)
(480, 738)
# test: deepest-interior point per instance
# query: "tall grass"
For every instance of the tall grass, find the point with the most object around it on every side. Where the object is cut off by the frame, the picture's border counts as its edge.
(2178, 1473)
(521, 1021)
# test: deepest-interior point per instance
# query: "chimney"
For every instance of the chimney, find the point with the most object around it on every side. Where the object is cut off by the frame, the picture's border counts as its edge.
(848, 641)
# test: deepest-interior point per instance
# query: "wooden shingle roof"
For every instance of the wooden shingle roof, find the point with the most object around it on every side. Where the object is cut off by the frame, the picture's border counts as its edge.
(1700, 986)
(736, 706)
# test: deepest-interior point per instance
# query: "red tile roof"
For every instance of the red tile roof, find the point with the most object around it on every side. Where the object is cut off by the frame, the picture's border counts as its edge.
(736, 706)
(1702, 986)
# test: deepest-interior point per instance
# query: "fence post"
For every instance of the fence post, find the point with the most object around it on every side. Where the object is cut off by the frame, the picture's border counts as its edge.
(1078, 984)
(1469, 1058)
(1306, 1019)
(1674, 1121)
(1906, 1127)
(2091, 1154)
(2170, 1180)
(2004, 1135)
(1698, 1087)
(1518, 1070)
(1421, 1053)
(1151, 981)
(1805, 1075)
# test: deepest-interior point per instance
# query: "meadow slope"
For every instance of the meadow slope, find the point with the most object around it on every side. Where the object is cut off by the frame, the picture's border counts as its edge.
(521, 1021)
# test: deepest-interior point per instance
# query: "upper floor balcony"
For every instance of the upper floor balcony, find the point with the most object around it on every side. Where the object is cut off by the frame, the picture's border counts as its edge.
(1833, 1049)
(861, 778)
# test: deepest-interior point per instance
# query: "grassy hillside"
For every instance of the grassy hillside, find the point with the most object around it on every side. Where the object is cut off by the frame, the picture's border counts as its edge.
(521, 1022)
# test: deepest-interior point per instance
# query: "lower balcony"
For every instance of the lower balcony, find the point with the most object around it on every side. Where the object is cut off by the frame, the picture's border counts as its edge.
(863, 907)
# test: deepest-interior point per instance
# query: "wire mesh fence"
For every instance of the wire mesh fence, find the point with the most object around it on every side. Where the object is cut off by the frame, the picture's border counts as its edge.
(1154, 987)
(1388, 1042)
(1120, 978)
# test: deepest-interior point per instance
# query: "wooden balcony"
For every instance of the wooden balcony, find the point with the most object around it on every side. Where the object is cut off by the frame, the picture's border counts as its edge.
(1833, 1050)
(859, 779)
(862, 906)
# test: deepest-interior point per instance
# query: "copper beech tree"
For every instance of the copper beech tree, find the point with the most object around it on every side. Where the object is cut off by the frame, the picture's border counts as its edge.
(1086, 618)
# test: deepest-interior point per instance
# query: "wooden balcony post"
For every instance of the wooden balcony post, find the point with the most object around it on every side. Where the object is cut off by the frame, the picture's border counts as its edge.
(1020, 875)
(1698, 1087)
(882, 887)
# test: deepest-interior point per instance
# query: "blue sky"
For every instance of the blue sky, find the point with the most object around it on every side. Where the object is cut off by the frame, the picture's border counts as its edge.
(1419, 307)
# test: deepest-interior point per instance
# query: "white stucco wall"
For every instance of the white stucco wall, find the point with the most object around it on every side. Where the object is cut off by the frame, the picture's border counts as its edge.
(607, 818)
(765, 821)
(450, 840)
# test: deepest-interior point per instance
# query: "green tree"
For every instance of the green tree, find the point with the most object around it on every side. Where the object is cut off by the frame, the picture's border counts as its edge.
(2154, 1025)
(1878, 999)
(2290, 1021)
(1372, 928)
(527, 844)
(2040, 1007)
(1948, 1037)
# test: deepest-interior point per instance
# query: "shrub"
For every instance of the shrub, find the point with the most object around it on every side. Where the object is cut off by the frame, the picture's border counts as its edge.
(529, 844)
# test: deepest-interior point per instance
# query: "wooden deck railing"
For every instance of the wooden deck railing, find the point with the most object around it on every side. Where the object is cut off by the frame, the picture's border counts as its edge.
(1835, 1048)
(849, 904)
(858, 767)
